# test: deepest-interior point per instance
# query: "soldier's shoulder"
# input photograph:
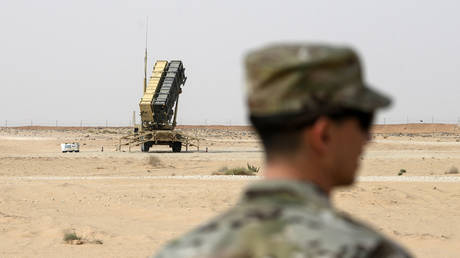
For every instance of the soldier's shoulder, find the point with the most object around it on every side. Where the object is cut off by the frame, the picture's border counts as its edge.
(281, 232)
(382, 247)
(201, 241)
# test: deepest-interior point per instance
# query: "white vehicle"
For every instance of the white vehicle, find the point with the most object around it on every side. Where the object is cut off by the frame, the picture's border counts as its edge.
(70, 147)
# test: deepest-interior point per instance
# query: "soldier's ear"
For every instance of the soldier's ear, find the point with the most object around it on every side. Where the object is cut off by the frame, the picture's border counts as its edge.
(319, 135)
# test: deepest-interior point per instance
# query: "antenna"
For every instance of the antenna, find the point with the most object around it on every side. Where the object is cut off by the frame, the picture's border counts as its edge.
(145, 57)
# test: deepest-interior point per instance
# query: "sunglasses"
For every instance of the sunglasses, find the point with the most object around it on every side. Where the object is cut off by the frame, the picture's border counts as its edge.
(297, 122)
(365, 119)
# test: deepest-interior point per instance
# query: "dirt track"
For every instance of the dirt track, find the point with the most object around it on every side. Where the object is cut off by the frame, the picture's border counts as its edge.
(133, 211)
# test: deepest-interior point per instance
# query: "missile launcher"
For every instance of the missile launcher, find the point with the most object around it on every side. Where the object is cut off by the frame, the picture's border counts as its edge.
(161, 95)
(158, 110)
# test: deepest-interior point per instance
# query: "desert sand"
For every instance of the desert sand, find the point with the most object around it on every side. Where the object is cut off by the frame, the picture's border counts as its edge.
(128, 204)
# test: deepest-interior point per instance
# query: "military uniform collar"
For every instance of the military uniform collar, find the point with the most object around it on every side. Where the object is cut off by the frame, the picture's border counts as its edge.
(289, 190)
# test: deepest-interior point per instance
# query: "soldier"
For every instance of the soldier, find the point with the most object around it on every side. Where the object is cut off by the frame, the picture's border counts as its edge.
(313, 111)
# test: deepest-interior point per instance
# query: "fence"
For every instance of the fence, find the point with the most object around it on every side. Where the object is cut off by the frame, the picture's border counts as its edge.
(101, 123)
(57, 123)
(110, 123)
(407, 120)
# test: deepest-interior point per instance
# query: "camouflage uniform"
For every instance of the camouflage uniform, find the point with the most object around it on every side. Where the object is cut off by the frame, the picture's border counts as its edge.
(292, 219)
(282, 219)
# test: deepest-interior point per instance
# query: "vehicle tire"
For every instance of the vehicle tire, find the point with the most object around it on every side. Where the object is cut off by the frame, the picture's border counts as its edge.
(145, 147)
(77, 151)
(176, 146)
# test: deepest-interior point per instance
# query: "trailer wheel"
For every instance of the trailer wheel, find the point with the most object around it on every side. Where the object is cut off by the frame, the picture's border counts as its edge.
(145, 147)
(176, 146)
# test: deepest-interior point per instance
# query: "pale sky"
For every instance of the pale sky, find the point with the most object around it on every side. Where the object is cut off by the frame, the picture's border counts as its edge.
(83, 60)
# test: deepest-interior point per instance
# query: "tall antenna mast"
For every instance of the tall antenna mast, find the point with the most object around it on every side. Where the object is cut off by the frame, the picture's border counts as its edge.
(145, 58)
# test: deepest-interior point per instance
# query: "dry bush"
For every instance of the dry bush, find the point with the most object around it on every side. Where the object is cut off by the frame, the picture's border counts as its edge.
(452, 170)
(238, 171)
(107, 131)
(253, 168)
(153, 161)
(71, 236)
(401, 172)
(73, 239)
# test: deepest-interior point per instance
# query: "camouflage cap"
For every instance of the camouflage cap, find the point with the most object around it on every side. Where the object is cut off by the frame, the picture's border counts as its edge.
(308, 78)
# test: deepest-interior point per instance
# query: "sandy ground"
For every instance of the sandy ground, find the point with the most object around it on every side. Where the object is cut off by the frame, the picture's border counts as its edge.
(134, 202)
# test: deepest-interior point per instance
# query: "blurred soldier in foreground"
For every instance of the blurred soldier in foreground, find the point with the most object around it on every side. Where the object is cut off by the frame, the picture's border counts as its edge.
(313, 111)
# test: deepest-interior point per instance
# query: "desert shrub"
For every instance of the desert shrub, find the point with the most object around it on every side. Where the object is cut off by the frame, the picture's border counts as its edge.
(107, 131)
(238, 171)
(253, 168)
(74, 239)
(452, 170)
(70, 236)
(153, 161)
(401, 171)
